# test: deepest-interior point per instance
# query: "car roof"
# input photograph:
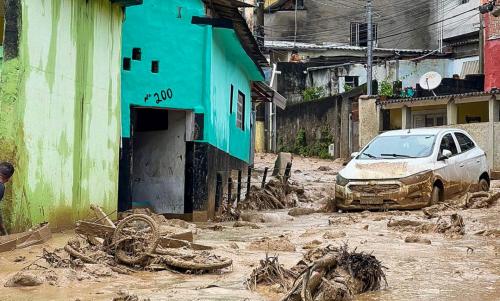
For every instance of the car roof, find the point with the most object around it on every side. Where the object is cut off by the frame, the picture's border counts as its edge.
(419, 131)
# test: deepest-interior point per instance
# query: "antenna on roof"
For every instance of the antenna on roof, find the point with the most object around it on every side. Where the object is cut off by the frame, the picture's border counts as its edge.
(430, 81)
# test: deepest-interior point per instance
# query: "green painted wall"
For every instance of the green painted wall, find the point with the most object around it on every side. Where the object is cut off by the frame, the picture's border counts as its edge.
(197, 63)
(60, 112)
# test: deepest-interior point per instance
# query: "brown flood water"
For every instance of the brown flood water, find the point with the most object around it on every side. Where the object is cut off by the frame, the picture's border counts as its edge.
(443, 270)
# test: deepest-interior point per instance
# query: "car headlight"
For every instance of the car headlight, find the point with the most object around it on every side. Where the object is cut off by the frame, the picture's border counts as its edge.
(341, 181)
(417, 178)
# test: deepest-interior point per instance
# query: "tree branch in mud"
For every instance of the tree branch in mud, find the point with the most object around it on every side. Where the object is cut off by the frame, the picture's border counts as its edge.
(324, 274)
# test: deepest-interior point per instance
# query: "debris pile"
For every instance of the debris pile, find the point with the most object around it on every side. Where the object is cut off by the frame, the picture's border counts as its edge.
(228, 213)
(455, 226)
(480, 200)
(277, 244)
(452, 227)
(326, 274)
(274, 195)
(271, 273)
(137, 242)
(298, 211)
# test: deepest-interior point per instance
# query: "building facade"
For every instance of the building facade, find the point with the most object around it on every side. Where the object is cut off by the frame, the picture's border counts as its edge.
(60, 108)
(188, 73)
(492, 49)
(345, 23)
(476, 112)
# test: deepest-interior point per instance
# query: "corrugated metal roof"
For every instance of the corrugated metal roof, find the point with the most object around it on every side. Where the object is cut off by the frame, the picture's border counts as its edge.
(471, 67)
(228, 9)
(333, 46)
(470, 94)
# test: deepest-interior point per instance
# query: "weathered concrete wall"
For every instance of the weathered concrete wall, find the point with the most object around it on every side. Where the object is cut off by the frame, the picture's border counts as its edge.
(295, 77)
(496, 147)
(330, 22)
(464, 23)
(314, 118)
(308, 128)
(369, 120)
(60, 110)
(487, 136)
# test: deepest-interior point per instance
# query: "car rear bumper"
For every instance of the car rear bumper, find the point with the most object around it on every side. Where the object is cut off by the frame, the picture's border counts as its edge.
(383, 194)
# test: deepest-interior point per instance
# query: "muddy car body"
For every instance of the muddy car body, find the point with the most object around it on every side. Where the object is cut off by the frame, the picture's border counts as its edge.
(410, 169)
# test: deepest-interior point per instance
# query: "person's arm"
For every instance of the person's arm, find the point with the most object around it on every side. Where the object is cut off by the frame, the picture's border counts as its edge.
(2, 190)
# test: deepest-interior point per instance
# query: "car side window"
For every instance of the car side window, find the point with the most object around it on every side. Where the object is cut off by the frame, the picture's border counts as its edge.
(465, 142)
(448, 143)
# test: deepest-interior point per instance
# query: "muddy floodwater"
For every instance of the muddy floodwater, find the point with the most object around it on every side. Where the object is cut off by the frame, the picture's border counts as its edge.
(466, 267)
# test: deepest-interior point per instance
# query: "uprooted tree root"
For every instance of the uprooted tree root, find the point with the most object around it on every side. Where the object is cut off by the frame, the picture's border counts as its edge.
(274, 195)
(324, 274)
(271, 272)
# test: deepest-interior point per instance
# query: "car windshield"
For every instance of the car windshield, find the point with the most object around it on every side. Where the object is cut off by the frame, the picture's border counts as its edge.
(397, 147)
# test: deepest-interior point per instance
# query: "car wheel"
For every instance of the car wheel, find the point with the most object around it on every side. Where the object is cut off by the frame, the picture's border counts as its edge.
(435, 195)
(484, 185)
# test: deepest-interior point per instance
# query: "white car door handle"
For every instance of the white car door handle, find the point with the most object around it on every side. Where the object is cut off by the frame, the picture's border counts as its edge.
(462, 165)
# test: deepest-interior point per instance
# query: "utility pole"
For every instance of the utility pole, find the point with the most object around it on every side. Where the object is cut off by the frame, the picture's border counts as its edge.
(481, 44)
(259, 23)
(260, 128)
(369, 64)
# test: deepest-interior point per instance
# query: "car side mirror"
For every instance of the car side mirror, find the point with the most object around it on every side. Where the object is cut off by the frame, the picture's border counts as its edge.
(354, 155)
(445, 154)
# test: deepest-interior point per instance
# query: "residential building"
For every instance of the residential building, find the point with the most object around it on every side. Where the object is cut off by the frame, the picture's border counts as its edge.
(492, 49)
(476, 112)
(191, 74)
(60, 108)
(459, 31)
(396, 25)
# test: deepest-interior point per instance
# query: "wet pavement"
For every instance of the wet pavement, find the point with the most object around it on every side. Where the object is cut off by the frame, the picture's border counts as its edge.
(464, 268)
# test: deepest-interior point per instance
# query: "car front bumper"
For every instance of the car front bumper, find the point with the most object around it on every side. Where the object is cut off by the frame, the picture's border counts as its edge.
(383, 194)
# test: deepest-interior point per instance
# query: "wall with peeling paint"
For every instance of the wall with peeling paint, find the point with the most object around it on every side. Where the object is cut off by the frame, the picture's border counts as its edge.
(60, 111)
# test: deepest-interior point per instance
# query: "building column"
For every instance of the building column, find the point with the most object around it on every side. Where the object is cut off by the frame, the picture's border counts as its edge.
(494, 116)
(451, 113)
(494, 109)
(369, 119)
(405, 118)
(344, 127)
(260, 129)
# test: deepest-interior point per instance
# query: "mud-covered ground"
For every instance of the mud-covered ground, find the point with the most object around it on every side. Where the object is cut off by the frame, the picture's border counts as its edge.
(451, 267)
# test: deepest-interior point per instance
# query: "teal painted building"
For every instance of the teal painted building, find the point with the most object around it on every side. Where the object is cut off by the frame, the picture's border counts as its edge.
(187, 77)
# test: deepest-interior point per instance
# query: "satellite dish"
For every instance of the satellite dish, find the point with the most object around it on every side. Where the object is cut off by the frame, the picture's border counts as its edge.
(430, 81)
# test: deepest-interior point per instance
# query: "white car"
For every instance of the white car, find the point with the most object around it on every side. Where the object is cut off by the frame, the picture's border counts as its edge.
(410, 169)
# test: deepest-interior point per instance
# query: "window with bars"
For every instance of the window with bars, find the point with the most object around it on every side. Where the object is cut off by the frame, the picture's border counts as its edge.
(359, 34)
(240, 117)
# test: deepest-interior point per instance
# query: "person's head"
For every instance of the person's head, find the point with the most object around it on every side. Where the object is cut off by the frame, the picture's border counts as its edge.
(6, 171)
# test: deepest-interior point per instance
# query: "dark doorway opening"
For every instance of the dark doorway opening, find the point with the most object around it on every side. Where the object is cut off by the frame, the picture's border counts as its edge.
(155, 159)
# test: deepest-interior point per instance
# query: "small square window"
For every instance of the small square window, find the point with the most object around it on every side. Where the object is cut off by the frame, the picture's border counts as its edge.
(155, 66)
(126, 63)
(136, 54)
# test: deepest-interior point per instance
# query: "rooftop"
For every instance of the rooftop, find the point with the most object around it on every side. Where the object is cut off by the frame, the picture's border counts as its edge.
(415, 99)
(419, 131)
(334, 46)
(228, 9)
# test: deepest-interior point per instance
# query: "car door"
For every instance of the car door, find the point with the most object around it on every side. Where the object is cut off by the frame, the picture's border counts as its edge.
(469, 160)
(448, 168)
